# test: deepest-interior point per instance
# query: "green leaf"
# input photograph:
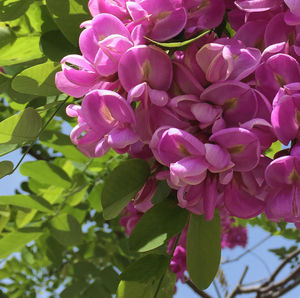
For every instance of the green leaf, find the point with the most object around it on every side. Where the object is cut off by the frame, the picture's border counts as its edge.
(94, 197)
(4, 217)
(166, 289)
(145, 268)
(25, 201)
(68, 15)
(203, 249)
(46, 173)
(96, 289)
(74, 290)
(66, 229)
(6, 36)
(122, 185)
(37, 80)
(84, 269)
(61, 143)
(54, 250)
(158, 225)
(6, 168)
(6, 148)
(19, 51)
(21, 128)
(275, 147)
(13, 9)
(24, 217)
(15, 241)
(76, 197)
(178, 44)
(110, 279)
(162, 191)
(148, 277)
(55, 45)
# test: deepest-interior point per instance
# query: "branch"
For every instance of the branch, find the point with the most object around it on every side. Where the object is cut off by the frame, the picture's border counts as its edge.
(280, 267)
(270, 289)
(247, 251)
(196, 290)
(238, 286)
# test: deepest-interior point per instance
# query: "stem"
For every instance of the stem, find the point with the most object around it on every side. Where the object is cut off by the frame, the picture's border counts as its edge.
(217, 290)
(171, 255)
(247, 251)
(196, 290)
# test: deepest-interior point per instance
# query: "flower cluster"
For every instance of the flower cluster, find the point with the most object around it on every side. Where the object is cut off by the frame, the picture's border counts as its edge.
(204, 114)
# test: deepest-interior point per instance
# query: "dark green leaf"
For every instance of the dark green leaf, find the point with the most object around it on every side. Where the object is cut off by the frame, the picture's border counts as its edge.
(6, 168)
(55, 46)
(21, 128)
(110, 279)
(83, 269)
(203, 249)
(6, 35)
(96, 289)
(66, 229)
(158, 225)
(162, 191)
(74, 290)
(54, 250)
(145, 268)
(68, 15)
(46, 173)
(37, 80)
(166, 289)
(12, 9)
(122, 185)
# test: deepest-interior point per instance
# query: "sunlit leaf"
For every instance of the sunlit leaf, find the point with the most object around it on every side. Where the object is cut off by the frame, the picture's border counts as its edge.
(66, 229)
(26, 201)
(15, 241)
(37, 80)
(20, 128)
(19, 51)
(45, 173)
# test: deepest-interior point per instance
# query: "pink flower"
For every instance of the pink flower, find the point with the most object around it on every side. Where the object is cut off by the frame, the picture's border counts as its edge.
(105, 120)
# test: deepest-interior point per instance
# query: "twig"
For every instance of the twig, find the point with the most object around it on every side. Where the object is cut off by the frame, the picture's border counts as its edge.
(247, 251)
(42, 129)
(217, 290)
(272, 290)
(238, 286)
(262, 261)
(196, 290)
(280, 267)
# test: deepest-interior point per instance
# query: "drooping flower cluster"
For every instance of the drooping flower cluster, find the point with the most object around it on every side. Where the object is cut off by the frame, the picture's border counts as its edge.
(204, 114)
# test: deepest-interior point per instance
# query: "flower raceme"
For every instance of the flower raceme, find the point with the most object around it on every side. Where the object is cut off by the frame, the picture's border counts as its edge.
(203, 115)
